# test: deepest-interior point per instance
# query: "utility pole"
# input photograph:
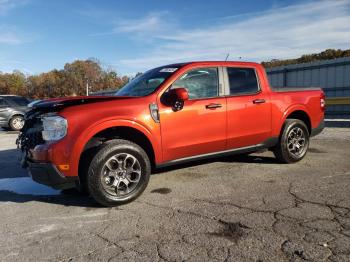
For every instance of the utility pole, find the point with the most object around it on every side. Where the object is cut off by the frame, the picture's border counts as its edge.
(87, 87)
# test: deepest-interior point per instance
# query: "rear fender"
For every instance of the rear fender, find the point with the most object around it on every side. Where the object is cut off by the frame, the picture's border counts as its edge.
(287, 112)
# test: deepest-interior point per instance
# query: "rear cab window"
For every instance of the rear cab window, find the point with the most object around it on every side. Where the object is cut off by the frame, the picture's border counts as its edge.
(242, 81)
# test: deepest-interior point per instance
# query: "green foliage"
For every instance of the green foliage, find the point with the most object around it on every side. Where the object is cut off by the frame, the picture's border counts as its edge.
(71, 80)
(325, 55)
(13, 83)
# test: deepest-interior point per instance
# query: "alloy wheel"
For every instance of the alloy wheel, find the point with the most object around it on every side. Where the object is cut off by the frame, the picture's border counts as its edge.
(296, 141)
(121, 175)
(17, 123)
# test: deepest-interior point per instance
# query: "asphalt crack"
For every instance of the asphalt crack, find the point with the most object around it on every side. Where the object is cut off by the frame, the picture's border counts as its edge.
(237, 230)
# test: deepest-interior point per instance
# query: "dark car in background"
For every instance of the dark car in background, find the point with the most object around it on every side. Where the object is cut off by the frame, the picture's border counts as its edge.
(12, 110)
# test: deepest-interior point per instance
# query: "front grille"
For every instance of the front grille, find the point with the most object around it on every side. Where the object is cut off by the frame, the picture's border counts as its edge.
(34, 137)
(31, 135)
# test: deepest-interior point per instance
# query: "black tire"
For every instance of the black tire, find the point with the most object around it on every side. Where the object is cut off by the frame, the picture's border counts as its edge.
(84, 165)
(286, 150)
(99, 172)
(82, 188)
(16, 123)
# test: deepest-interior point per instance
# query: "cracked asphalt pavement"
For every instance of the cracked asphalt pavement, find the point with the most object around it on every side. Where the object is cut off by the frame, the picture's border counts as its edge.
(239, 208)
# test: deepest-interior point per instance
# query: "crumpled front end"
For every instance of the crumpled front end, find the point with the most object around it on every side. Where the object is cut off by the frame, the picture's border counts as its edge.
(37, 154)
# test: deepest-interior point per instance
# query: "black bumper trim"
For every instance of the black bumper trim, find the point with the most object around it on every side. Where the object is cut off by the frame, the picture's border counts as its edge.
(47, 174)
(315, 131)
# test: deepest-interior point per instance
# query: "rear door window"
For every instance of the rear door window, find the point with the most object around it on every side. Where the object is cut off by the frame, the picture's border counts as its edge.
(242, 81)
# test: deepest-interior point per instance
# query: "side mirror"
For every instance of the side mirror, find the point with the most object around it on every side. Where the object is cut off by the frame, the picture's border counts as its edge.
(181, 93)
(175, 98)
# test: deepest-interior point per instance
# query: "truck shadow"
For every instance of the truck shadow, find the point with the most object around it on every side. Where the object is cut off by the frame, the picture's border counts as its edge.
(16, 186)
(64, 199)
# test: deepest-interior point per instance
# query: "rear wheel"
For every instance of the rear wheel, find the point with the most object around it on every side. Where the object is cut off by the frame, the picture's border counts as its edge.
(16, 123)
(118, 173)
(293, 143)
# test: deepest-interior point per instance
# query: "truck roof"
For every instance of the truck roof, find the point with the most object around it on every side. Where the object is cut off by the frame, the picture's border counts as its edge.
(214, 63)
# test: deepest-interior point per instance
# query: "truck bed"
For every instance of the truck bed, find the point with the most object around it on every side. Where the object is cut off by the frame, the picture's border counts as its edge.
(294, 89)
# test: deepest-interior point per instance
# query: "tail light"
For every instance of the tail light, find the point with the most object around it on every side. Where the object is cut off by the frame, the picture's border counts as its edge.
(323, 102)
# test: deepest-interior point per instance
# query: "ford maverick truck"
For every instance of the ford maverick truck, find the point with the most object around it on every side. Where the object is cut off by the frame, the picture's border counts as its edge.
(168, 115)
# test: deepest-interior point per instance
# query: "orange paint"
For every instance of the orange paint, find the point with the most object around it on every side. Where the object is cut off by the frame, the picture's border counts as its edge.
(194, 130)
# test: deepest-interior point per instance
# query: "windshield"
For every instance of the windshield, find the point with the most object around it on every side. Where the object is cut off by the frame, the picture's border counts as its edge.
(146, 83)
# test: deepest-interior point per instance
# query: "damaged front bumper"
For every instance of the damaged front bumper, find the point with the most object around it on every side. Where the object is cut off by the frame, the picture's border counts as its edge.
(47, 174)
(36, 155)
(44, 172)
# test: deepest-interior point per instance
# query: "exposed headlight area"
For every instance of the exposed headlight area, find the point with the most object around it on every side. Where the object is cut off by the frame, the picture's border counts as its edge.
(54, 127)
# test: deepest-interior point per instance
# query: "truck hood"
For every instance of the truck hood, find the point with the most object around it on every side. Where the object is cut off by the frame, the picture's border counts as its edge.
(57, 104)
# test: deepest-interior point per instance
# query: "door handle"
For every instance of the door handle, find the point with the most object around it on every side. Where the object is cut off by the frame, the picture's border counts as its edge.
(259, 101)
(213, 106)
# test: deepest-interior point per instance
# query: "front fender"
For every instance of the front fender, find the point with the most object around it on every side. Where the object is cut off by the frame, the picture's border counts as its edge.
(83, 139)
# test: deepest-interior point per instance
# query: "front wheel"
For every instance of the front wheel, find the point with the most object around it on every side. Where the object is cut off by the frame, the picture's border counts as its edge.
(16, 123)
(293, 143)
(118, 173)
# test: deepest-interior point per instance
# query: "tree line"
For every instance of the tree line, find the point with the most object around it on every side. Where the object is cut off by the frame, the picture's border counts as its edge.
(69, 81)
(325, 55)
(72, 79)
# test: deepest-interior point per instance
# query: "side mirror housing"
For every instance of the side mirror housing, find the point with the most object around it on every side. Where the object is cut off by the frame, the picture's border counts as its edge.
(175, 98)
(181, 93)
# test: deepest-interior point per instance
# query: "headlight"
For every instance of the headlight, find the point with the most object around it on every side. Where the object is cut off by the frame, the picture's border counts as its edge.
(55, 127)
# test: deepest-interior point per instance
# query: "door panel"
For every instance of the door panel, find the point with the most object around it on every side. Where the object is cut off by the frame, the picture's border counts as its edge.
(247, 123)
(3, 111)
(194, 130)
(200, 127)
(248, 108)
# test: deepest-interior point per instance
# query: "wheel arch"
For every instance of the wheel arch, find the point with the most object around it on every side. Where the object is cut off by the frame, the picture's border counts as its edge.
(15, 114)
(282, 150)
(134, 133)
(297, 112)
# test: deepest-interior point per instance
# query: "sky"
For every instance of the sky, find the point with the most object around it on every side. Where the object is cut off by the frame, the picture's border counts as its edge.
(135, 35)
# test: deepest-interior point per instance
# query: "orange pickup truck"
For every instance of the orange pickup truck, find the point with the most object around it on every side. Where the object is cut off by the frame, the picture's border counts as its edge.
(168, 115)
